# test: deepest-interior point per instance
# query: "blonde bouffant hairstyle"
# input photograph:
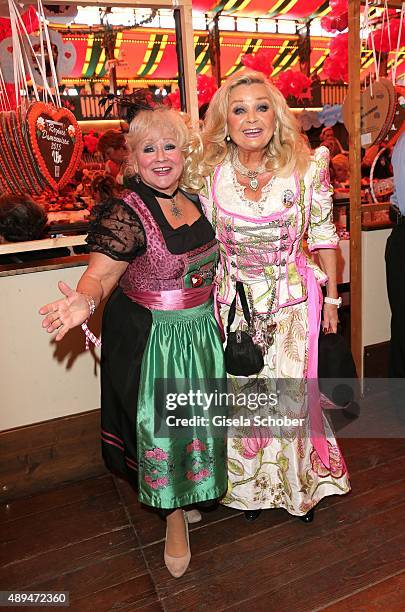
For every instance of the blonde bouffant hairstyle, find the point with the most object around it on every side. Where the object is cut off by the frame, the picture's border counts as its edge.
(167, 120)
(287, 150)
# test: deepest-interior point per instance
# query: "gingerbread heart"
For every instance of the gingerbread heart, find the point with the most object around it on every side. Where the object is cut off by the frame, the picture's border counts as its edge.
(56, 141)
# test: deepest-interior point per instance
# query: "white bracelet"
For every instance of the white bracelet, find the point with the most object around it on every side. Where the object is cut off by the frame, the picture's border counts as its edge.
(335, 301)
(90, 337)
(90, 302)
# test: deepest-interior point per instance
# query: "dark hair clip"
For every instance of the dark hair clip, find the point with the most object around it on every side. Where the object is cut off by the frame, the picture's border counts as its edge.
(141, 99)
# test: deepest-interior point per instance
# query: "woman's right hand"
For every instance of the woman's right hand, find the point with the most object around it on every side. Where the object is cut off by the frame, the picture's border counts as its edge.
(66, 313)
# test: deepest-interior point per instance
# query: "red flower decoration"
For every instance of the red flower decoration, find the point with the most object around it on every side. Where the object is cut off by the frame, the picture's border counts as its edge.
(206, 87)
(337, 19)
(29, 19)
(173, 99)
(338, 23)
(262, 61)
(294, 83)
(90, 142)
(336, 65)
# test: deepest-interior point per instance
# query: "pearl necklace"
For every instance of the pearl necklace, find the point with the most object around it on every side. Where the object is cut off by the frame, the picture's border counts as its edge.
(244, 171)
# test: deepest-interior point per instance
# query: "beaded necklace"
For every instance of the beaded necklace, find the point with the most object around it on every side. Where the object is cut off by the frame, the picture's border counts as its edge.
(244, 171)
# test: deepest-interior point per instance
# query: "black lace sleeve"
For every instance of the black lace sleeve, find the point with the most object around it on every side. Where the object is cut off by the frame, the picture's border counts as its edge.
(116, 231)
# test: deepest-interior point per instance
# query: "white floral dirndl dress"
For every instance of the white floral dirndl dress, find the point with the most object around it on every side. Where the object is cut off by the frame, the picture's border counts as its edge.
(261, 245)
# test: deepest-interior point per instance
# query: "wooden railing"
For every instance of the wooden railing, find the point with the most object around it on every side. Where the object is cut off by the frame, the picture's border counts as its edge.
(88, 107)
(333, 93)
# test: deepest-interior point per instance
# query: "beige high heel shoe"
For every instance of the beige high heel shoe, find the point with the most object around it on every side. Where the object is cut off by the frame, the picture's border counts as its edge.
(178, 565)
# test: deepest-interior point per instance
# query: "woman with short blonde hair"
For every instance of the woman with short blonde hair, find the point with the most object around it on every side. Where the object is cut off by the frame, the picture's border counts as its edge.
(188, 140)
(159, 327)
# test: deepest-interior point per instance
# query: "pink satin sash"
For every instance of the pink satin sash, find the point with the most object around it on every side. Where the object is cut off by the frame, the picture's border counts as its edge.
(174, 299)
(318, 437)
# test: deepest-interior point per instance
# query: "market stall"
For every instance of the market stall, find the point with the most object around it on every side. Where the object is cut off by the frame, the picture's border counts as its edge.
(44, 160)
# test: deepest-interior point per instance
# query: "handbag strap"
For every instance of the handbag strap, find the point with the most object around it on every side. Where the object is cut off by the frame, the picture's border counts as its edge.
(240, 290)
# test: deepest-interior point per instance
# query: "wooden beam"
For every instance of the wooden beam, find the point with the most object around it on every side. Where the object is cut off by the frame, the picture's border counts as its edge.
(355, 185)
(214, 49)
(189, 76)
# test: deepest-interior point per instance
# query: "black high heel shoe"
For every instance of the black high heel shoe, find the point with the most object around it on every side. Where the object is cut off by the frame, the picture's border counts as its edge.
(252, 515)
(308, 517)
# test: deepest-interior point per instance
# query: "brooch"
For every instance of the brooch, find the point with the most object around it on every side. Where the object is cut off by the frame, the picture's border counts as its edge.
(196, 280)
(288, 198)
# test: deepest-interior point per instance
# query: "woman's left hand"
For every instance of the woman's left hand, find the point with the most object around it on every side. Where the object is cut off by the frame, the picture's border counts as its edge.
(330, 319)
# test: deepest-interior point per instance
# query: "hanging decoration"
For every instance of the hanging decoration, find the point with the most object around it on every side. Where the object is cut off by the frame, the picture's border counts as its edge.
(290, 82)
(206, 87)
(381, 112)
(330, 115)
(294, 83)
(336, 66)
(64, 55)
(260, 61)
(40, 143)
(337, 19)
(378, 106)
(55, 138)
(29, 18)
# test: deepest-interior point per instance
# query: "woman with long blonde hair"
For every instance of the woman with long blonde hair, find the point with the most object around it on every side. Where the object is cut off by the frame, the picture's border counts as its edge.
(266, 195)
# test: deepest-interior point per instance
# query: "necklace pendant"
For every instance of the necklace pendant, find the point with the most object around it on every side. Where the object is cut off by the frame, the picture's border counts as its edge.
(175, 210)
(254, 184)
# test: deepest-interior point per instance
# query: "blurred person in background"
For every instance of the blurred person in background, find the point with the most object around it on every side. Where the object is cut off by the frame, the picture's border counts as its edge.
(113, 146)
(395, 258)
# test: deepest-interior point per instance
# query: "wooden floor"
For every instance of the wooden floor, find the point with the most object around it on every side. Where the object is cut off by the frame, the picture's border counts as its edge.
(93, 539)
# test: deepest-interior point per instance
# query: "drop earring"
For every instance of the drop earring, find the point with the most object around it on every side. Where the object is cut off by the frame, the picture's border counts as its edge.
(228, 138)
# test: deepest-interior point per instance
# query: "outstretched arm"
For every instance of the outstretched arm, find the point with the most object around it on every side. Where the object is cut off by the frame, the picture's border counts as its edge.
(97, 282)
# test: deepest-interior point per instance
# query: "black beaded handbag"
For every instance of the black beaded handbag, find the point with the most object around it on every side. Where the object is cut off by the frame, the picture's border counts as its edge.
(242, 356)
